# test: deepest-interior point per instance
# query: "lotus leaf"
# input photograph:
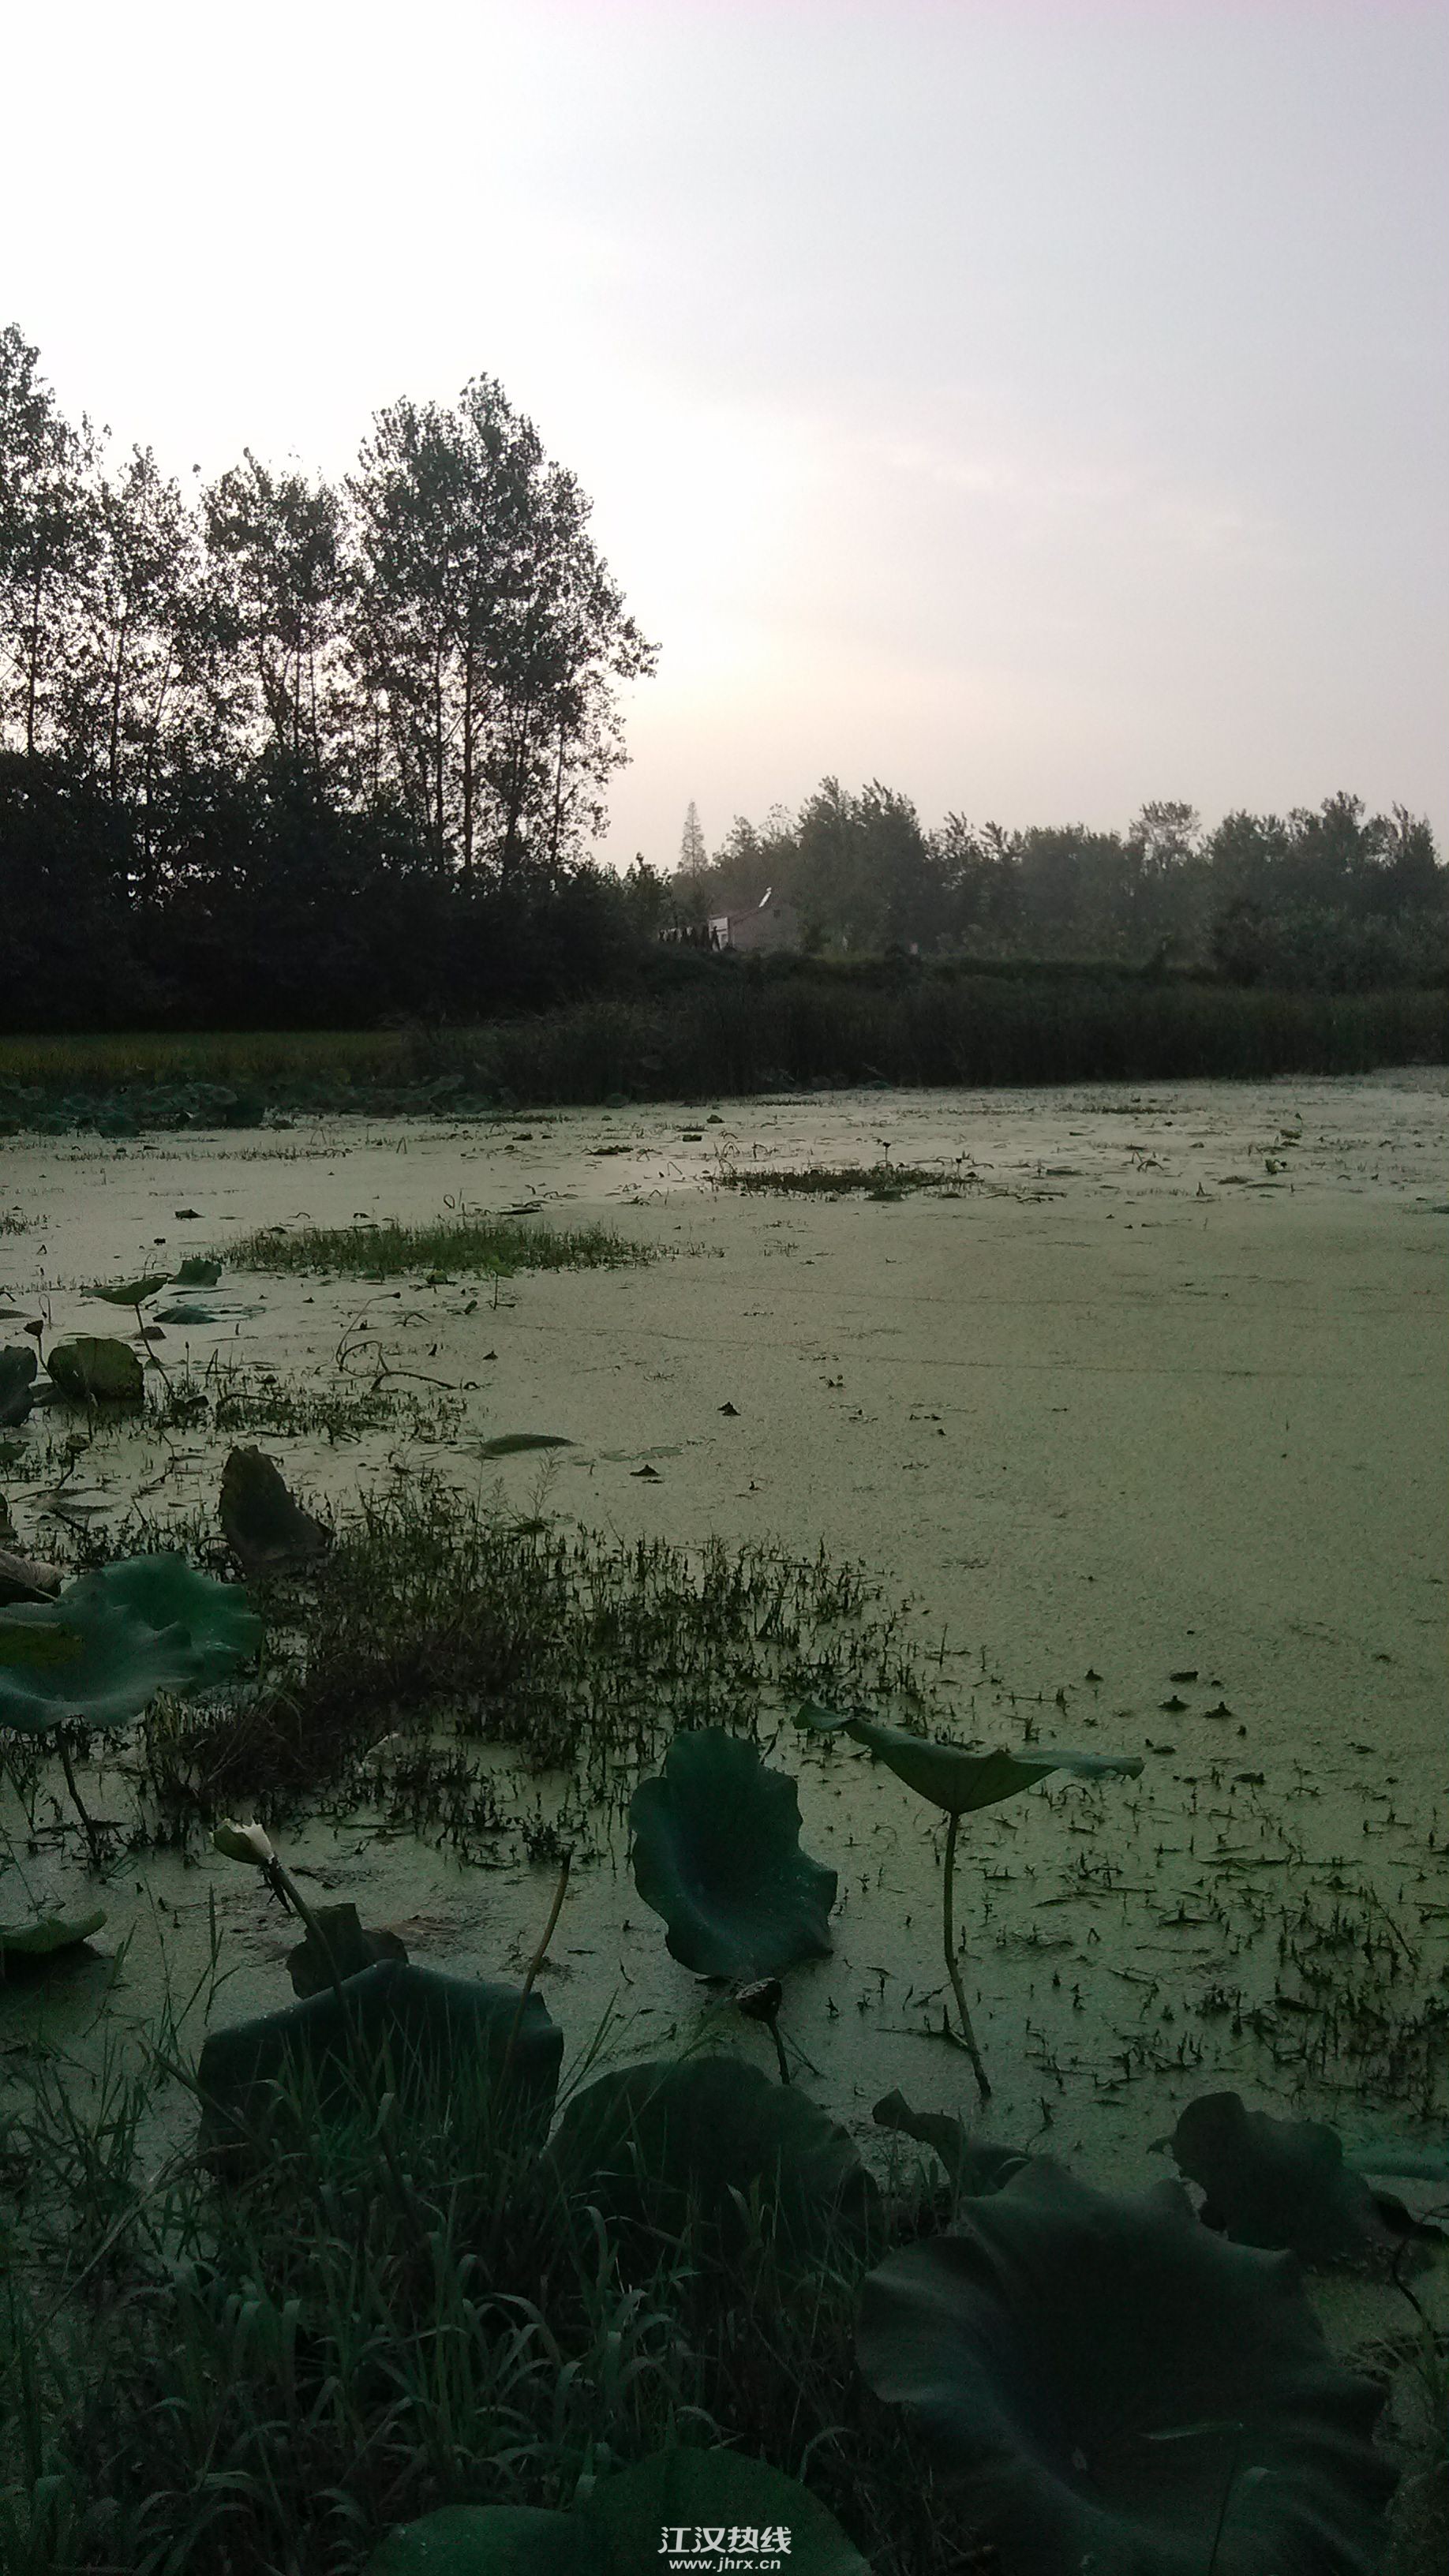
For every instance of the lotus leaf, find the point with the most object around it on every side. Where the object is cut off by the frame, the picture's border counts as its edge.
(17, 1379)
(265, 1527)
(196, 1273)
(115, 1637)
(91, 1368)
(618, 2531)
(127, 1292)
(960, 1782)
(974, 2164)
(645, 2142)
(344, 1950)
(1277, 2182)
(1116, 2388)
(717, 1852)
(957, 1781)
(426, 2035)
(52, 1932)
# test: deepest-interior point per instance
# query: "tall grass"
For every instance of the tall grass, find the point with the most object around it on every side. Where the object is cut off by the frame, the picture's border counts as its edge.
(397, 2313)
(742, 1030)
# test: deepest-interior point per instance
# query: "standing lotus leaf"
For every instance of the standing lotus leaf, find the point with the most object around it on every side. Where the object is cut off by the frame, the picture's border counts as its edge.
(651, 2143)
(127, 1292)
(1277, 2182)
(951, 1778)
(92, 1369)
(265, 1527)
(17, 1383)
(1116, 2388)
(338, 1945)
(959, 1782)
(101, 1651)
(626, 2524)
(717, 1852)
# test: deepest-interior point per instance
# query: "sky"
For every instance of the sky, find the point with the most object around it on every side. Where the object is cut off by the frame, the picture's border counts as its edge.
(1038, 405)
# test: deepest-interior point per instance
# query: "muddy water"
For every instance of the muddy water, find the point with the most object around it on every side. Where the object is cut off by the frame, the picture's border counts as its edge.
(1159, 1392)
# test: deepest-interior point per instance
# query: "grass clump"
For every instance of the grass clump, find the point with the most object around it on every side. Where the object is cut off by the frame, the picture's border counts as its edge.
(496, 1247)
(433, 1608)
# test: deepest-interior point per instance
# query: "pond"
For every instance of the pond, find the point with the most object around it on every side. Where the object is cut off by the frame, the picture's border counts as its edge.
(1139, 1423)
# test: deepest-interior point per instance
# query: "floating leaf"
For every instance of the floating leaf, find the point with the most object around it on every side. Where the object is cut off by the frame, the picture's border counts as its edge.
(1277, 2182)
(646, 2143)
(717, 1852)
(957, 1781)
(1048, 2348)
(17, 1380)
(52, 1932)
(115, 1637)
(974, 2164)
(93, 1369)
(508, 1442)
(344, 1950)
(421, 2035)
(127, 1292)
(264, 1526)
(623, 2526)
(196, 1272)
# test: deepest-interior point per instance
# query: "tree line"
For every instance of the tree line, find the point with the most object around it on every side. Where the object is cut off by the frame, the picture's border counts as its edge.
(281, 751)
(1335, 896)
(273, 740)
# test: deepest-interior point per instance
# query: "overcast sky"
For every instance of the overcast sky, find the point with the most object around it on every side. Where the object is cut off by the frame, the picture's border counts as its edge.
(1036, 404)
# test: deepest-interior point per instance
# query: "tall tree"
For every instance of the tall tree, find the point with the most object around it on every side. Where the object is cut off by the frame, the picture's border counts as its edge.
(488, 636)
(693, 856)
(274, 607)
(46, 536)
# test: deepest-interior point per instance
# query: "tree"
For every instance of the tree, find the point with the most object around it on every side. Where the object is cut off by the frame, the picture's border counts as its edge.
(46, 534)
(274, 607)
(693, 856)
(487, 635)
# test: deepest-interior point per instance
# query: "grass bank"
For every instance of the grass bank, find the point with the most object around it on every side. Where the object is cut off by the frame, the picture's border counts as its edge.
(745, 1028)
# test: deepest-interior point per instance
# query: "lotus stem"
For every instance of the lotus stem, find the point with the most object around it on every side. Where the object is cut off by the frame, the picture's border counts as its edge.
(952, 1970)
(536, 1962)
(93, 1832)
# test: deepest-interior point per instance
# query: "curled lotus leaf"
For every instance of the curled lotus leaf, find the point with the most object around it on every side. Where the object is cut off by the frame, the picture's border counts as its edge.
(1110, 2385)
(48, 1933)
(411, 2031)
(618, 2530)
(93, 1369)
(953, 1779)
(650, 2143)
(264, 1525)
(1277, 2182)
(717, 1853)
(195, 1273)
(974, 2164)
(100, 1652)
